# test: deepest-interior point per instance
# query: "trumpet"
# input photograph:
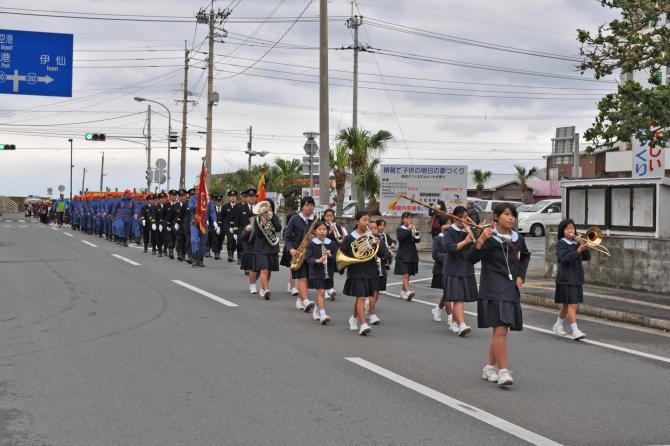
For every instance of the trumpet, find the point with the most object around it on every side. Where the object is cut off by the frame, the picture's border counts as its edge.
(415, 233)
(593, 238)
(336, 233)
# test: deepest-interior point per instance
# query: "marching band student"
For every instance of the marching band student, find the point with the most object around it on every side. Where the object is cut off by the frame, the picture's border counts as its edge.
(362, 278)
(266, 256)
(246, 241)
(294, 233)
(439, 255)
(505, 259)
(570, 278)
(383, 257)
(385, 238)
(320, 256)
(286, 261)
(336, 233)
(460, 284)
(407, 257)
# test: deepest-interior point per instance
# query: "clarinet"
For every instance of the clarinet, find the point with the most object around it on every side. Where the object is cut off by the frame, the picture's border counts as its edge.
(325, 264)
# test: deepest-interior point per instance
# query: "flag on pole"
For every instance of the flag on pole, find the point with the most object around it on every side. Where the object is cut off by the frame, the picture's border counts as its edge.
(261, 186)
(202, 202)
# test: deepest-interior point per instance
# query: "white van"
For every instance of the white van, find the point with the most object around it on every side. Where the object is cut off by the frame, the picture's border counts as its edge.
(534, 220)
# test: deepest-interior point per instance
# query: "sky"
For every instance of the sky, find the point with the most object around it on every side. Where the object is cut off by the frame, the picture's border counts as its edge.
(453, 81)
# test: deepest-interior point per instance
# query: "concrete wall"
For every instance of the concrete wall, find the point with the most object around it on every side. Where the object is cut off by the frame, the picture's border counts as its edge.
(636, 263)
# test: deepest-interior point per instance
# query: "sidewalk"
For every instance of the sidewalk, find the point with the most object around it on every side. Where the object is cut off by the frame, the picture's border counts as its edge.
(621, 305)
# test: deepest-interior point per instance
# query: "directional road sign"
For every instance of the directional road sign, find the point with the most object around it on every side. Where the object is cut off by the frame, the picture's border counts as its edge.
(35, 63)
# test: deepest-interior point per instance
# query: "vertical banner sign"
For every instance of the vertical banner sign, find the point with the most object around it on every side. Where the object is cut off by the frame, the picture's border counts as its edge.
(35, 63)
(425, 183)
(647, 161)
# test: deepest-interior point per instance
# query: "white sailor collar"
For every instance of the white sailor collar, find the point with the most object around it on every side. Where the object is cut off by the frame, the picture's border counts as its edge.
(514, 236)
(456, 228)
(355, 233)
(311, 217)
(316, 241)
(569, 242)
(441, 234)
(404, 227)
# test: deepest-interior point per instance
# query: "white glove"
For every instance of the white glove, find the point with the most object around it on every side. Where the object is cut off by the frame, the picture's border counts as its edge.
(160, 228)
(232, 231)
(176, 226)
(144, 223)
(235, 237)
(168, 228)
(218, 231)
(153, 227)
(216, 225)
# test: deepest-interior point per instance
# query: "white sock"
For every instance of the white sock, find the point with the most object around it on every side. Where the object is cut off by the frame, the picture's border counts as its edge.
(322, 313)
(559, 321)
(574, 327)
(450, 318)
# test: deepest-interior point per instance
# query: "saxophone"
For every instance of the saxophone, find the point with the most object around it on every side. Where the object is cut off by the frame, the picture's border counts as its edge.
(299, 259)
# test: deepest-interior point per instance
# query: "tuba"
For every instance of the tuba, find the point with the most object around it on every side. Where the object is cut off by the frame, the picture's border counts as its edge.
(261, 211)
(364, 249)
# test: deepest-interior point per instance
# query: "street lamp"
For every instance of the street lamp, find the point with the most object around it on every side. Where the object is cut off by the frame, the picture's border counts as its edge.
(138, 99)
(71, 166)
(254, 153)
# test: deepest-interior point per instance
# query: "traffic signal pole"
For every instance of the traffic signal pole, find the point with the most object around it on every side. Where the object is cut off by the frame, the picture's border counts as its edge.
(149, 145)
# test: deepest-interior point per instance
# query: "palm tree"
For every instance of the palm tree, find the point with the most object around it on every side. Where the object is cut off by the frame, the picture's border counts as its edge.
(369, 182)
(480, 178)
(286, 172)
(523, 175)
(362, 146)
(339, 162)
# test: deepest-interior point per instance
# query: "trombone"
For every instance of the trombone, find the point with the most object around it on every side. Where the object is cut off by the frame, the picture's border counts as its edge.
(593, 238)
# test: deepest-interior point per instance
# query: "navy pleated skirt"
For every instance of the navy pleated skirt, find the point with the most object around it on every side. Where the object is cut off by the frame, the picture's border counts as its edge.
(460, 289)
(302, 273)
(266, 261)
(496, 313)
(382, 283)
(402, 268)
(569, 294)
(247, 262)
(437, 282)
(321, 284)
(361, 287)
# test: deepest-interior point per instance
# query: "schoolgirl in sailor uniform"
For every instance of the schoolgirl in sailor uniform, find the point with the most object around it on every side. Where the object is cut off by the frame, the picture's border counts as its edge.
(460, 284)
(383, 259)
(320, 255)
(286, 261)
(362, 278)
(336, 232)
(246, 241)
(294, 233)
(407, 257)
(266, 256)
(571, 252)
(505, 259)
(439, 254)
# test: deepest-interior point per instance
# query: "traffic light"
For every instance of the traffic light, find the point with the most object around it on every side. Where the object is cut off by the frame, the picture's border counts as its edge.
(7, 147)
(174, 136)
(95, 137)
(150, 175)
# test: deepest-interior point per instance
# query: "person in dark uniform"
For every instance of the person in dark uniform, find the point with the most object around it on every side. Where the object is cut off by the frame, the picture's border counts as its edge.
(179, 220)
(460, 284)
(243, 220)
(156, 217)
(210, 228)
(145, 218)
(505, 259)
(218, 233)
(407, 257)
(170, 236)
(439, 254)
(286, 261)
(383, 259)
(235, 230)
(294, 234)
(187, 228)
(266, 255)
(336, 232)
(472, 210)
(437, 219)
(320, 256)
(165, 205)
(570, 252)
(231, 243)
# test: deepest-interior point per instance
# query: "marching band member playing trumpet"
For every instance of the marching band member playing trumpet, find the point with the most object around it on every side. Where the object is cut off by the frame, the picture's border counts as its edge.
(320, 256)
(295, 232)
(407, 257)
(439, 254)
(382, 260)
(266, 255)
(570, 251)
(336, 233)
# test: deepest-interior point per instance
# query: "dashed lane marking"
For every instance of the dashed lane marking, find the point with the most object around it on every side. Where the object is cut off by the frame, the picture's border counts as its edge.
(68, 234)
(132, 262)
(206, 294)
(89, 244)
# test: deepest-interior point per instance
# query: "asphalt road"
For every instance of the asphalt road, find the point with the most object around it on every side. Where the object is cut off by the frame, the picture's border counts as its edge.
(99, 351)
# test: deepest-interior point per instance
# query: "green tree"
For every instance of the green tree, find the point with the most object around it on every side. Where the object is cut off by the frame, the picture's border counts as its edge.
(368, 182)
(636, 41)
(339, 163)
(286, 172)
(363, 147)
(480, 177)
(523, 174)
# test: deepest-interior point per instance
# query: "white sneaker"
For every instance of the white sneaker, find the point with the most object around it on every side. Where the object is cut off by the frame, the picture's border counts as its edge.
(299, 305)
(289, 288)
(558, 329)
(505, 377)
(437, 314)
(374, 319)
(365, 329)
(403, 294)
(332, 293)
(353, 323)
(252, 289)
(308, 305)
(490, 373)
(294, 291)
(410, 296)
(463, 330)
(325, 319)
(453, 327)
(577, 335)
(265, 294)
(315, 313)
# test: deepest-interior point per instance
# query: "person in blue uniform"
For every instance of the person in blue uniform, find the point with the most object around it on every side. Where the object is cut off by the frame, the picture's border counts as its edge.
(198, 239)
(122, 214)
(187, 228)
(137, 223)
(570, 253)
(266, 255)
(320, 256)
(505, 259)
(294, 234)
(439, 254)
(407, 257)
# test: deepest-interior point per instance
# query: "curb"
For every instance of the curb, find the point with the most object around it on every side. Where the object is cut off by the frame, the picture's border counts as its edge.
(603, 313)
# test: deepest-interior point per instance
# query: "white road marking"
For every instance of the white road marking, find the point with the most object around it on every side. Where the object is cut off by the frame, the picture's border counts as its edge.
(132, 262)
(136, 247)
(22, 221)
(23, 226)
(551, 332)
(54, 228)
(614, 298)
(68, 234)
(89, 244)
(460, 406)
(206, 294)
(416, 280)
(8, 221)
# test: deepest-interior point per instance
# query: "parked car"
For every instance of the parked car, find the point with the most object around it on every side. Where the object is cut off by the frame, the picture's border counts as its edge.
(543, 213)
(524, 208)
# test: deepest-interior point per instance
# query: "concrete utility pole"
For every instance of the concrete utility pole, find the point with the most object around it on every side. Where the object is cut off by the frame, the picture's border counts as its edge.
(149, 143)
(353, 23)
(102, 170)
(324, 148)
(83, 180)
(210, 93)
(184, 113)
(249, 145)
(71, 166)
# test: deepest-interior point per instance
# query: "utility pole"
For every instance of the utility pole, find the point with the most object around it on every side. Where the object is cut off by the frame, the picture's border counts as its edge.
(353, 23)
(324, 148)
(71, 166)
(210, 93)
(251, 138)
(102, 170)
(83, 180)
(149, 143)
(184, 112)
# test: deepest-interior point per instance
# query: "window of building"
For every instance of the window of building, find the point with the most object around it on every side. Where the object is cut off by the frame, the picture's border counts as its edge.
(643, 207)
(596, 207)
(620, 209)
(577, 206)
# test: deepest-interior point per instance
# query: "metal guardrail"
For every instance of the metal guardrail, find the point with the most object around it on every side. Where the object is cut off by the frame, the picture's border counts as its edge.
(8, 205)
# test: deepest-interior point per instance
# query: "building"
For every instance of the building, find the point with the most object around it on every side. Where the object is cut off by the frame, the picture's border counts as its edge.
(560, 163)
(499, 186)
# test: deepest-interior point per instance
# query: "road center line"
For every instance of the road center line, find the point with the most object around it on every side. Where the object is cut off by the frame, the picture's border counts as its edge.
(89, 244)
(132, 262)
(460, 406)
(206, 294)
(22, 221)
(68, 234)
(23, 226)
(551, 332)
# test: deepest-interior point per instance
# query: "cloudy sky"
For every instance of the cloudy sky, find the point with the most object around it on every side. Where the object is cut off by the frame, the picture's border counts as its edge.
(480, 83)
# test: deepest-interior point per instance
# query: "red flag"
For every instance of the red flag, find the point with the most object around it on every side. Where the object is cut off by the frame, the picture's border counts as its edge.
(202, 202)
(261, 186)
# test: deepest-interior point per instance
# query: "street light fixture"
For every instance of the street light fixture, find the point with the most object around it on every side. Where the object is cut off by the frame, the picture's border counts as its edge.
(139, 99)
(252, 153)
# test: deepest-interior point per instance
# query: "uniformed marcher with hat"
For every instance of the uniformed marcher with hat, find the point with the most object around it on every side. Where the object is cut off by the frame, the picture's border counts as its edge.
(179, 211)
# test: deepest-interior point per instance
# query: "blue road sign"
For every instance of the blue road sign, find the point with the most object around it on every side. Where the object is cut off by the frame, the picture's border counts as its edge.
(35, 63)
